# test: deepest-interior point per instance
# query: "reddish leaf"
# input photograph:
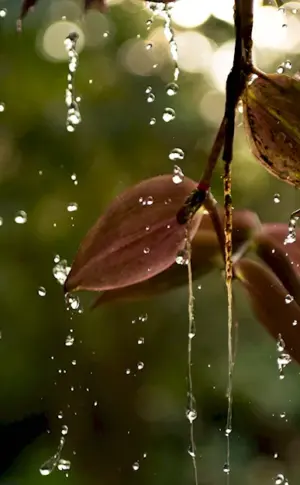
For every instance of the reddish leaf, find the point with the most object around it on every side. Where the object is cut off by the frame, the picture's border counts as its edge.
(26, 5)
(206, 256)
(279, 232)
(268, 299)
(137, 237)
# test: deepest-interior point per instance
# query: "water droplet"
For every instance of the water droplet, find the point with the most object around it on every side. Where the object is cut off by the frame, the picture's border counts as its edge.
(127, 371)
(280, 480)
(282, 415)
(140, 365)
(149, 22)
(150, 98)
(146, 250)
(69, 340)
(295, 322)
(168, 115)
(176, 154)
(106, 34)
(288, 64)
(135, 466)
(3, 12)
(42, 291)
(143, 318)
(276, 198)
(21, 217)
(191, 415)
(152, 121)
(73, 302)
(226, 468)
(61, 271)
(191, 452)
(172, 89)
(149, 46)
(289, 299)
(228, 431)
(72, 207)
(64, 430)
(182, 257)
(178, 175)
(141, 340)
(149, 200)
(60, 415)
(63, 465)
(2, 107)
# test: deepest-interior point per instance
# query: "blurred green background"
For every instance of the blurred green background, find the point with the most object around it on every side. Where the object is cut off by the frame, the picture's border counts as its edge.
(127, 425)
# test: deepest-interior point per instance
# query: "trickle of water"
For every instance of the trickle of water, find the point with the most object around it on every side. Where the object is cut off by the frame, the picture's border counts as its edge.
(176, 154)
(178, 175)
(169, 34)
(276, 198)
(226, 468)
(61, 271)
(182, 257)
(72, 207)
(21, 217)
(69, 340)
(136, 466)
(42, 291)
(49, 465)
(289, 299)
(2, 107)
(73, 114)
(172, 89)
(168, 115)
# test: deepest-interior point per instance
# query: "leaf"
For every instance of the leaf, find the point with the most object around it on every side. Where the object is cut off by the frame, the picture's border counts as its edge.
(267, 296)
(136, 238)
(206, 256)
(274, 255)
(26, 5)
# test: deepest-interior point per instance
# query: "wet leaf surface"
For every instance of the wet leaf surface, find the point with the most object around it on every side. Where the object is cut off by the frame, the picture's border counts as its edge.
(136, 238)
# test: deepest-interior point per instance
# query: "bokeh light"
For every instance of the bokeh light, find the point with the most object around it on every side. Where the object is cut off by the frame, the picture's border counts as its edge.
(51, 41)
(191, 13)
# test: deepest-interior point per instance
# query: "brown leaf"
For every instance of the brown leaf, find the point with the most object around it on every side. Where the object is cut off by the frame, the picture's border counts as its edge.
(206, 256)
(267, 296)
(272, 120)
(136, 238)
(26, 5)
(274, 255)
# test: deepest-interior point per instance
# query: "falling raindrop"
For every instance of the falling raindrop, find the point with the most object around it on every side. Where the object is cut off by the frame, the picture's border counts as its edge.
(172, 89)
(136, 466)
(61, 271)
(73, 114)
(72, 207)
(169, 34)
(152, 121)
(168, 115)
(73, 302)
(143, 318)
(178, 175)
(283, 358)
(150, 98)
(69, 340)
(176, 154)
(149, 46)
(276, 198)
(127, 371)
(226, 468)
(280, 480)
(140, 365)
(42, 291)
(141, 340)
(295, 323)
(21, 217)
(291, 237)
(74, 178)
(63, 465)
(64, 430)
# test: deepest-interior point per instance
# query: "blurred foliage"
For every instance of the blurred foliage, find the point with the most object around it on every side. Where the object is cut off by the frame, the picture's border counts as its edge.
(114, 147)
